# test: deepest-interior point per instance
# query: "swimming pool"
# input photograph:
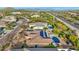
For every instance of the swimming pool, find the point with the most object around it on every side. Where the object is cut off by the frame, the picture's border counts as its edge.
(55, 39)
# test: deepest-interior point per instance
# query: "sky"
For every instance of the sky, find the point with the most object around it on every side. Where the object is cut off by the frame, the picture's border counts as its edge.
(39, 3)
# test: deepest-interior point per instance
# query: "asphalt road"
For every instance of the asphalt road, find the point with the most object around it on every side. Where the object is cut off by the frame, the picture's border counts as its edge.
(71, 24)
(67, 23)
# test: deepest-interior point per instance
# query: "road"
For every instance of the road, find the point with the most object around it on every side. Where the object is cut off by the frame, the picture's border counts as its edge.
(67, 23)
(71, 26)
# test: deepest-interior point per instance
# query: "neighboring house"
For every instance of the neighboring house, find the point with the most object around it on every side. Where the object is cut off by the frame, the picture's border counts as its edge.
(9, 19)
(14, 13)
(1, 14)
(35, 16)
(38, 25)
(72, 13)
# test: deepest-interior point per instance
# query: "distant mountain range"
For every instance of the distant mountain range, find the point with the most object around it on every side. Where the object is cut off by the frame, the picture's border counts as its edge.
(42, 8)
(48, 8)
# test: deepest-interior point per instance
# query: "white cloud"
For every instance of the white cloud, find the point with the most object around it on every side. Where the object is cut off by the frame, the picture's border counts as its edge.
(39, 3)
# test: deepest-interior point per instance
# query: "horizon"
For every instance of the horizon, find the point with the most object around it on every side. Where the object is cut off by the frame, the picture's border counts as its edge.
(45, 8)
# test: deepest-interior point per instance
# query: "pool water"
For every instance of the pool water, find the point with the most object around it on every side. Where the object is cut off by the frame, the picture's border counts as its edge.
(55, 39)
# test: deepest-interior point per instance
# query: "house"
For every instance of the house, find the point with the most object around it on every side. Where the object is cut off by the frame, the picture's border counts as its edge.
(38, 25)
(77, 32)
(34, 39)
(9, 19)
(14, 13)
(72, 13)
(39, 42)
(2, 23)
